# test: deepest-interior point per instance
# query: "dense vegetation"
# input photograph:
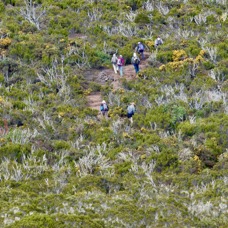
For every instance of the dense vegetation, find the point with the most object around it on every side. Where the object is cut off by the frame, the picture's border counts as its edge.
(61, 166)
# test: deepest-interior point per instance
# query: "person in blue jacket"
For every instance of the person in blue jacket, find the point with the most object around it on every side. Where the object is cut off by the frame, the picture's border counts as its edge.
(131, 111)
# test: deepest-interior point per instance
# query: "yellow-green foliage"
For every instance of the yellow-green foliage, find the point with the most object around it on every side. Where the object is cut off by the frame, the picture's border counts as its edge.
(180, 59)
(5, 42)
(179, 55)
(64, 165)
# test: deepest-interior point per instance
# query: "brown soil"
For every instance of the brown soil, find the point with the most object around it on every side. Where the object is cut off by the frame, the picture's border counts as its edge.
(94, 100)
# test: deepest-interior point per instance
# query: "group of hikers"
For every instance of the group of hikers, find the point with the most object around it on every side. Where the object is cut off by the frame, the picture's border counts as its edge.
(118, 62)
(130, 110)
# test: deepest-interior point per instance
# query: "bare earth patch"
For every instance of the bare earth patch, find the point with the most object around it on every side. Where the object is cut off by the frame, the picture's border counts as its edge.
(94, 100)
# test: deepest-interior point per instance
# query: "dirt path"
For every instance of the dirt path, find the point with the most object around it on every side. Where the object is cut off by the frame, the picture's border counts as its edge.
(104, 75)
(94, 100)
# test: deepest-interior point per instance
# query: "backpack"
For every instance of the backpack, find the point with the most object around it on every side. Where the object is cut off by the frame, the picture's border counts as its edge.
(136, 61)
(119, 62)
(101, 107)
(140, 47)
(158, 41)
(130, 110)
(105, 106)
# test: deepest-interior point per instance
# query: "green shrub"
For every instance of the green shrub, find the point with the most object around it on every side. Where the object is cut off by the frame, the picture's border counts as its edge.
(114, 152)
(187, 129)
(23, 50)
(60, 145)
(165, 56)
(18, 105)
(123, 168)
(99, 58)
(211, 20)
(160, 117)
(2, 78)
(222, 163)
(165, 160)
(127, 52)
(222, 50)
(208, 65)
(90, 182)
(158, 18)
(202, 82)
(14, 151)
(207, 157)
(192, 49)
(27, 27)
(134, 4)
(35, 221)
(2, 7)
(142, 19)
(12, 2)
(178, 114)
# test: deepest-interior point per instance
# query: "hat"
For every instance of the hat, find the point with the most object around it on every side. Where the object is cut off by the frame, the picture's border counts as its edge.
(135, 55)
(121, 56)
(133, 103)
(139, 42)
(103, 102)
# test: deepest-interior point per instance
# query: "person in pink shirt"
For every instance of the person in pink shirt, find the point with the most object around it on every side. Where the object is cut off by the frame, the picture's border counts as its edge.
(120, 63)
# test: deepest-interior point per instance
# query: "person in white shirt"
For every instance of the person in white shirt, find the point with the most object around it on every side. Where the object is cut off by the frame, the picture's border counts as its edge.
(158, 42)
(114, 63)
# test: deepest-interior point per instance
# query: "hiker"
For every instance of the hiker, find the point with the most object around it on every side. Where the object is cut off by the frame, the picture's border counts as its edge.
(104, 108)
(114, 63)
(135, 61)
(158, 42)
(140, 49)
(120, 63)
(131, 111)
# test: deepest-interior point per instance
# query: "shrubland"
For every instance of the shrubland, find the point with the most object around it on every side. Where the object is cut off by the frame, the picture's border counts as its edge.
(62, 166)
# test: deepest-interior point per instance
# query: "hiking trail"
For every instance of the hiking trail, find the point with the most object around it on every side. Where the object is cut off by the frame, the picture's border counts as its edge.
(107, 75)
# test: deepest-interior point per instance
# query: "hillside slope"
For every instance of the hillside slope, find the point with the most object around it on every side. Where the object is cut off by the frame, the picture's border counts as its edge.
(63, 165)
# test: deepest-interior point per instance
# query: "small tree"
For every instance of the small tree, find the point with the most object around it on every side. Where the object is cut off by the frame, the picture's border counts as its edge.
(33, 13)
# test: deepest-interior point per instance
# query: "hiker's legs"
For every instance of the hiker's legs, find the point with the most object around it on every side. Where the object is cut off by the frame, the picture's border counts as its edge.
(114, 68)
(106, 114)
(131, 120)
(142, 54)
(129, 115)
(136, 66)
(121, 70)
